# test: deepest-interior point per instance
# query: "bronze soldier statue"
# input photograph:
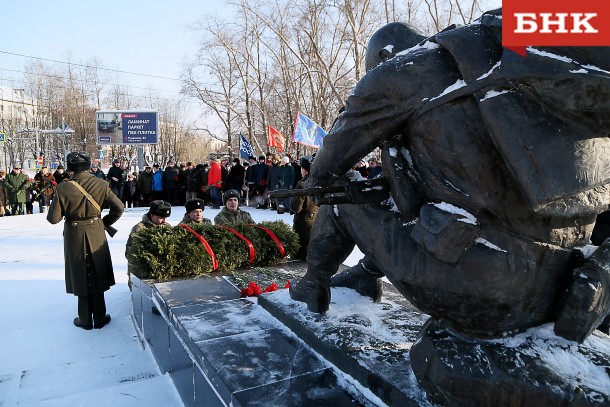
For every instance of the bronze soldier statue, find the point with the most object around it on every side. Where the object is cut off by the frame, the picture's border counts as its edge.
(497, 167)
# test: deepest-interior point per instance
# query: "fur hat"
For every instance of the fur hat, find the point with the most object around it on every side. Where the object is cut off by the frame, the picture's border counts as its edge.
(285, 159)
(78, 161)
(262, 157)
(160, 208)
(193, 204)
(305, 162)
(231, 193)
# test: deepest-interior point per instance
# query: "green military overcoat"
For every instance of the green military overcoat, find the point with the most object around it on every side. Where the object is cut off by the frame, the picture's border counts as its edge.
(16, 185)
(84, 230)
(226, 217)
(305, 212)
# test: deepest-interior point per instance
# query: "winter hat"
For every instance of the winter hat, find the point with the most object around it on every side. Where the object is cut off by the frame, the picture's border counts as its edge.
(285, 160)
(160, 208)
(236, 160)
(116, 160)
(262, 157)
(60, 167)
(17, 166)
(94, 166)
(231, 193)
(78, 161)
(193, 204)
(305, 162)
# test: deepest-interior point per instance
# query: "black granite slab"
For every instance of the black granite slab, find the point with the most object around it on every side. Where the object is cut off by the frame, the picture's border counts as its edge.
(312, 389)
(179, 293)
(368, 341)
(254, 359)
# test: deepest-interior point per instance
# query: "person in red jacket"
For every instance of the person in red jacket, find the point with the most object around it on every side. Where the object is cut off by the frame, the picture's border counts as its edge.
(215, 182)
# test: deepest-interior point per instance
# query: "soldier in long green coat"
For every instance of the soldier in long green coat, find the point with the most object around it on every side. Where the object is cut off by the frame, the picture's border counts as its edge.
(16, 185)
(304, 209)
(89, 270)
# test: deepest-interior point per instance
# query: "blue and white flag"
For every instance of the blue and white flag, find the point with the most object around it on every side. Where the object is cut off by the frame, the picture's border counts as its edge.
(307, 132)
(245, 149)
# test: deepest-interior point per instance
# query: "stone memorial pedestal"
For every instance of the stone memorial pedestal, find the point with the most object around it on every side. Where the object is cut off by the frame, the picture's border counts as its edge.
(222, 350)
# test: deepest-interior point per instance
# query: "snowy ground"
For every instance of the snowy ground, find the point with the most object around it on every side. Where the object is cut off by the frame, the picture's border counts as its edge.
(44, 359)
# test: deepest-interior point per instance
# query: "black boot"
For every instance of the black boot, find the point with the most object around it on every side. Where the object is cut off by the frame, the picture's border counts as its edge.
(366, 281)
(105, 321)
(314, 290)
(83, 325)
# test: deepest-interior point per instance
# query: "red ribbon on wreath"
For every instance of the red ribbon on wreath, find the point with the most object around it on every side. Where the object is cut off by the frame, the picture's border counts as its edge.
(273, 237)
(242, 237)
(205, 244)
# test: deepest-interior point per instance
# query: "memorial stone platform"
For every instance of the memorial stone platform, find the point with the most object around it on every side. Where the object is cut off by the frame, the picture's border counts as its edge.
(221, 350)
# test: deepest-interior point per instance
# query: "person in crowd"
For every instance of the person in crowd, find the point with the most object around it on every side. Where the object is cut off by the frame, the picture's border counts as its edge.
(170, 183)
(191, 181)
(304, 210)
(129, 192)
(201, 182)
(44, 184)
(248, 175)
(60, 174)
(285, 181)
(297, 170)
(215, 182)
(258, 179)
(245, 189)
(231, 213)
(182, 183)
(156, 216)
(362, 168)
(30, 194)
(17, 184)
(273, 179)
(116, 178)
(89, 270)
(235, 179)
(96, 171)
(145, 184)
(158, 184)
(4, 206)
(194, 213)
(224, 174)
(374, 168)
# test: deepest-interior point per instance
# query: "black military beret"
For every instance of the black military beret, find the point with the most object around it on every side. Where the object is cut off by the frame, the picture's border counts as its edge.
(160, 208)
(193, 204)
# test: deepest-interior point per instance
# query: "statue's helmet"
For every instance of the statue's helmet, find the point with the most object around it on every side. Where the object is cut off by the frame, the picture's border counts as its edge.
(388, 41)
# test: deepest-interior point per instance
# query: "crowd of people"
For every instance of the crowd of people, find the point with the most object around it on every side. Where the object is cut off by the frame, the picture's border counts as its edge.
(176, 184)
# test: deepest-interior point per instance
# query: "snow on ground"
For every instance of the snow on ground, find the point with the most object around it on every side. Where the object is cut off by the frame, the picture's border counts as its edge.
(44, 359)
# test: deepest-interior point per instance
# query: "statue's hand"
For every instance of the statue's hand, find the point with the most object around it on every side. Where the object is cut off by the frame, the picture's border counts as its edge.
(588, 299)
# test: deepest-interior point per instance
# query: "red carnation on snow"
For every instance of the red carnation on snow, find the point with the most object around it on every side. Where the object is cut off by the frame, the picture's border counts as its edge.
(272, 287)
(253, 290)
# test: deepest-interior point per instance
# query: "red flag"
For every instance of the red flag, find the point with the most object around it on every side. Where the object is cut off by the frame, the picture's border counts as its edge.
(275, 139)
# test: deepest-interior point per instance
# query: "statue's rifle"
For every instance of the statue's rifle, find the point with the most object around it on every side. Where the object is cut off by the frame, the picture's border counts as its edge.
(355, 192)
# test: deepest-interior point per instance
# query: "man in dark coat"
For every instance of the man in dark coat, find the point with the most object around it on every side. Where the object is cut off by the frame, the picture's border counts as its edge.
(88, 264)
(60, 174)
(304, 209)
(257, 178)
(145, 184)
(170, 183)
(116, 177)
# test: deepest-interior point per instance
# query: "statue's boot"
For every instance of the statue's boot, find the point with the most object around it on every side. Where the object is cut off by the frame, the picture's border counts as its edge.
(313, 289)
(365, 280)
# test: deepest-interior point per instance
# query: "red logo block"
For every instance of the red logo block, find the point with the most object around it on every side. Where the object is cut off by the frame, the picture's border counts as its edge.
(555, 23)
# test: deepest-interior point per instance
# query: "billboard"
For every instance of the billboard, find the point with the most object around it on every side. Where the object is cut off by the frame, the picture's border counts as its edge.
(127, 127)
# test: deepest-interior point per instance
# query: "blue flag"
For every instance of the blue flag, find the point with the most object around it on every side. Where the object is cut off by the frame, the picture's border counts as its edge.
(245, 149)
(307, 132)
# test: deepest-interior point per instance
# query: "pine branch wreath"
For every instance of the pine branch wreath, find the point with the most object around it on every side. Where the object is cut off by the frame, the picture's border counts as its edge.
(165, 253)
